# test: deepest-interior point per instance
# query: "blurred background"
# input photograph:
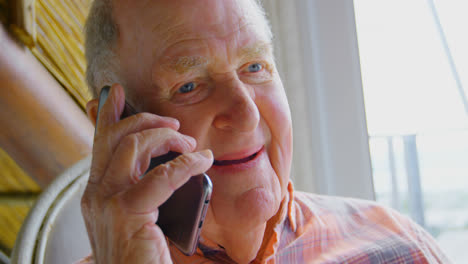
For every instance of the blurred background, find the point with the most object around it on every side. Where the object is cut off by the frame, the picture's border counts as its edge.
(43, 127)
(414, 64)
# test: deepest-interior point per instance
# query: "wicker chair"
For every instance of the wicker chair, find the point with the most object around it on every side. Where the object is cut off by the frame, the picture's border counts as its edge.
(54, 230)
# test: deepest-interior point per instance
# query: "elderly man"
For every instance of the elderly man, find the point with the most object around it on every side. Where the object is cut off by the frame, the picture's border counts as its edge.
(203, 77)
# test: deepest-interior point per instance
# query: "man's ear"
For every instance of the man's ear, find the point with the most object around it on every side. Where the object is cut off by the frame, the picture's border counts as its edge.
(92, 110)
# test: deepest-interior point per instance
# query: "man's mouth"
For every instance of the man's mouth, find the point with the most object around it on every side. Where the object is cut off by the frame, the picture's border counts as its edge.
(236, 161)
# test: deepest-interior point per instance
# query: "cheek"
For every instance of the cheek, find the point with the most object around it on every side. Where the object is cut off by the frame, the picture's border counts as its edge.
(274, 108)
(194, 121)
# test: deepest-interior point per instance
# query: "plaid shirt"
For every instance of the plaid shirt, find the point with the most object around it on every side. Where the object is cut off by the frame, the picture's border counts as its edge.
(324, 229)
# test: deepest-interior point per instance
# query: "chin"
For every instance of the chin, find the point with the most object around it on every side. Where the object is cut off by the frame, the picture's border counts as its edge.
(256, 206)
(245, 196)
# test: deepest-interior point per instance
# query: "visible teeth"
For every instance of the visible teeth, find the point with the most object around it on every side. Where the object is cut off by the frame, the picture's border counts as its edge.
(231, 162)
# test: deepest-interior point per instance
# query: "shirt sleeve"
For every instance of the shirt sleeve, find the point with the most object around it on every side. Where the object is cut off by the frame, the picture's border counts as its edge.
(426, 243)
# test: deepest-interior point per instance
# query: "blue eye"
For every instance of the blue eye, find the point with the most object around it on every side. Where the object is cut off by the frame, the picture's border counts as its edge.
(255, 67)
(187, 88)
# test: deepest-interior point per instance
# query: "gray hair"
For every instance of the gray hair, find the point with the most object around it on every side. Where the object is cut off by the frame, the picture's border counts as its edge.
(101, 34)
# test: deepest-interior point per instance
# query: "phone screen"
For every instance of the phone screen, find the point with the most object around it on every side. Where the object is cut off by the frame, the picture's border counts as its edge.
(181, 216)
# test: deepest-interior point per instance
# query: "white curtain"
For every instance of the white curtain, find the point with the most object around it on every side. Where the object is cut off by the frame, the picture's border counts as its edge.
(317, 57)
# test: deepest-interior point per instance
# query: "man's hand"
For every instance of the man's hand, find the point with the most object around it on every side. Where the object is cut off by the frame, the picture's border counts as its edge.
(119, 209)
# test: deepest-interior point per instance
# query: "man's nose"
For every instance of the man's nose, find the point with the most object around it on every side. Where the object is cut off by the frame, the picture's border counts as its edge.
(237, 108)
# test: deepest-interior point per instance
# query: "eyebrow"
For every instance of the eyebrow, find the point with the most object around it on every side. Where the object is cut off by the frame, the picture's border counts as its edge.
(256, 50)
(184, 64)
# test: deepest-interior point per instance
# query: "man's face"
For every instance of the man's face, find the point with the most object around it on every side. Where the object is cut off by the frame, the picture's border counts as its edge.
(209, 64)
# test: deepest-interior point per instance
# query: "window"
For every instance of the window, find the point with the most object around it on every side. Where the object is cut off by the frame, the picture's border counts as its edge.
(414, 65)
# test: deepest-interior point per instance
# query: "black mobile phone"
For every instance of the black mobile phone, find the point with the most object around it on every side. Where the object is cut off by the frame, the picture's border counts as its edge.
(181, 216)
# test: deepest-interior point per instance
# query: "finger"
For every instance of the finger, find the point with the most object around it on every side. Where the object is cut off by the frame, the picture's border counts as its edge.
(133, 124)
(108, 114)
(106, 141)
(112, 109)
(159, 184)
(132, 156)
(109, 130)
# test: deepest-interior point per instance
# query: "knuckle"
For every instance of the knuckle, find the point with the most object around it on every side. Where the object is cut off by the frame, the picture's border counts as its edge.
(185, 161)
(130, 141)
(184, 164)
(163, 172)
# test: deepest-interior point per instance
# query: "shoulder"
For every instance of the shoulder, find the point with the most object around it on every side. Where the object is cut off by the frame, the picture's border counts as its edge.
(341, 207)
(361, 224)
(345, 214)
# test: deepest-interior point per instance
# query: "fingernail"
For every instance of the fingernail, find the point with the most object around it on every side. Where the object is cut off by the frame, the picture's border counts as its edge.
(176, 121)
(206, 153)
(114, 87)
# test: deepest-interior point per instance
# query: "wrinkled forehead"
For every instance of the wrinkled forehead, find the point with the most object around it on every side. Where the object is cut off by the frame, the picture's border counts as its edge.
(169, 19)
